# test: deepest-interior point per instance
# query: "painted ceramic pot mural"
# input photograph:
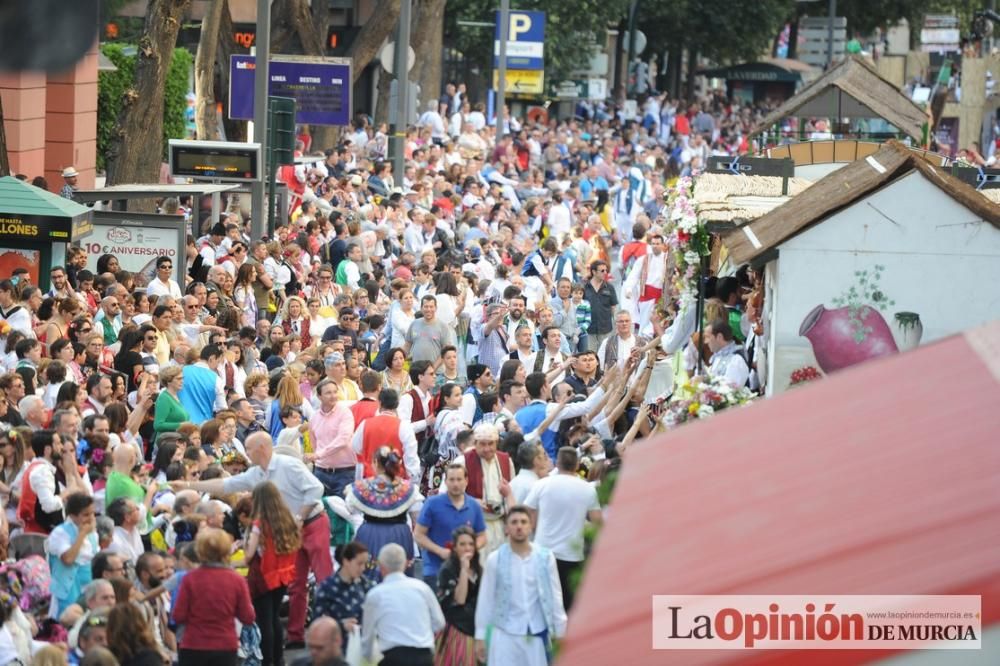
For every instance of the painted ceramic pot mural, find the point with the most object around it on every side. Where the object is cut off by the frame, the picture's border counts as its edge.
(909, 330)
(832, 334)
(855, 331)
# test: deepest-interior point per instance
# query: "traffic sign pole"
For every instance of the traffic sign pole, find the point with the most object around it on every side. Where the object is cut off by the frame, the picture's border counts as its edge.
(401, 67)
(257, 194)
(502, 72)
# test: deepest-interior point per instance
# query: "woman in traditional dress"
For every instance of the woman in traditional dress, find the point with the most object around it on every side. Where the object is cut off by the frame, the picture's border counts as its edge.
(385, 500)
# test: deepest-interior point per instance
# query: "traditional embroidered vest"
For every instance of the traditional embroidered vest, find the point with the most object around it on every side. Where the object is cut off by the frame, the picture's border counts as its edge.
(418, 414)
(475, 469)
(380, 430)
(29, 511)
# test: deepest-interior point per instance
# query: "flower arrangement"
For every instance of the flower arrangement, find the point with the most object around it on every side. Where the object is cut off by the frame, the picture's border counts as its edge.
(688, 239)
(701, 398)
(805, 374)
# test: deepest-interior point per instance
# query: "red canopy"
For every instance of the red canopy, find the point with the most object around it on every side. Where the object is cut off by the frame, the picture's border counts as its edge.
(881, 479)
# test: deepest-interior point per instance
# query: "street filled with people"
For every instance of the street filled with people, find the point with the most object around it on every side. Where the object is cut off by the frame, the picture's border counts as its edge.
(378, 433)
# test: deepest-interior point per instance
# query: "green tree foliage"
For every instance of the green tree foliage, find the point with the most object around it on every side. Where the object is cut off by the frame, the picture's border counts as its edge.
(721, 30)
(863, 16)
(570, 25)
(111, 87)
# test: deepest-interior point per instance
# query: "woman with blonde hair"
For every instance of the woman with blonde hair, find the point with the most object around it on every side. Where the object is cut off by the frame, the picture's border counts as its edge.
(273, 545)
(287, 394)
(170, 413)
(210, 601)
(294, 320)
(255, 388)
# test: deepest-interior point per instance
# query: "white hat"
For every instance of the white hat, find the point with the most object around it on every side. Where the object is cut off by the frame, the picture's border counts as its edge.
(70, 172)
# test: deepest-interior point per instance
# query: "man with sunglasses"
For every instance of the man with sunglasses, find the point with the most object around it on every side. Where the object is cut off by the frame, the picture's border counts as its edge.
(603, 300)
(109, 317)
(163, 285)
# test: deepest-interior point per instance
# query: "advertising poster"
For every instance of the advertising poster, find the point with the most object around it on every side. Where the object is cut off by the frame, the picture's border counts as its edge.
(11, 259)
(136, 248)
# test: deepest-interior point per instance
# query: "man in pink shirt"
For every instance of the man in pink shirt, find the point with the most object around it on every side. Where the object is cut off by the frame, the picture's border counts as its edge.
(330, 430)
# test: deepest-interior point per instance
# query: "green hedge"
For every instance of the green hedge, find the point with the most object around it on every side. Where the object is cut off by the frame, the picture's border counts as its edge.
(111, 89)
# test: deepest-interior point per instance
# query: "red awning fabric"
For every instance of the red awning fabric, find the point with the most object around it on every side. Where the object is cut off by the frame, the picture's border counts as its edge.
(881, 479)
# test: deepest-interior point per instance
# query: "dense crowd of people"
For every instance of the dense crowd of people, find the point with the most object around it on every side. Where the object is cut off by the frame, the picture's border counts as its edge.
(376, 434)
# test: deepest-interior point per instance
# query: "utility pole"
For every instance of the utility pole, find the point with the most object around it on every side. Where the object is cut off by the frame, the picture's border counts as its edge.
(401, 62)
(260, 81)
(502, 71)
(633, 11)
(829, 33)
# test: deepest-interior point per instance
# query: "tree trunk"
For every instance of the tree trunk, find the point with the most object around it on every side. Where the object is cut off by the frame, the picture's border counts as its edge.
(205, 117)
(4, 161)
(674, 69)
(136, 150)
(425, 38)
(373, 34)
(382, 100)
(692, 70)
(236, 130)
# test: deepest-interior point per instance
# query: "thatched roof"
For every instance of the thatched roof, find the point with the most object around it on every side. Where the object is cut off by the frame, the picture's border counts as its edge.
(842, 188)
(722, 197)
(852, 89)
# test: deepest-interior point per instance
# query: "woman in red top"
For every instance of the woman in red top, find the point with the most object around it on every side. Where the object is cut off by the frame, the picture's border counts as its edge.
(274, 543)
(210, 598)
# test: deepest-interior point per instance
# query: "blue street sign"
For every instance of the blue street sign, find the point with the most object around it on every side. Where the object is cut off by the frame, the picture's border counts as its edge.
(525, 41)
(322, 90)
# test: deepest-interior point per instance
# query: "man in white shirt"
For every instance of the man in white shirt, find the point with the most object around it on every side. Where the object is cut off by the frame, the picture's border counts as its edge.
(534, 464)
(423, 376)
(401, 613)
(523, 351)
(727, 360)
(616, 348)
(126, 541)
(432, 120)
(550, 356)
(643, 286)
(162, 284)
(560, 216)
(530, 615)
(563, 503)
(388, 403)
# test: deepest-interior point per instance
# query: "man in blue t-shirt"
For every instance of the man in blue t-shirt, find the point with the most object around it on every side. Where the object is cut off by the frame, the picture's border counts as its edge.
(439, 518)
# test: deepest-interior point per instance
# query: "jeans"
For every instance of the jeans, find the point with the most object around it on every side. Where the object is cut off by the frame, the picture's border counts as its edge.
(581, 345)
(334, 481)
(314, 554)
(267, 607)
(432, 582)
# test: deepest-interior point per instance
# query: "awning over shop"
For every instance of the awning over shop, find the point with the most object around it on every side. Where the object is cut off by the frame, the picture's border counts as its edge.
(33, 214)
(766, 70)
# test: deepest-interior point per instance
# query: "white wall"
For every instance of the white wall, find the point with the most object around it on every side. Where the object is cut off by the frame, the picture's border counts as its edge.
(941, 261)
